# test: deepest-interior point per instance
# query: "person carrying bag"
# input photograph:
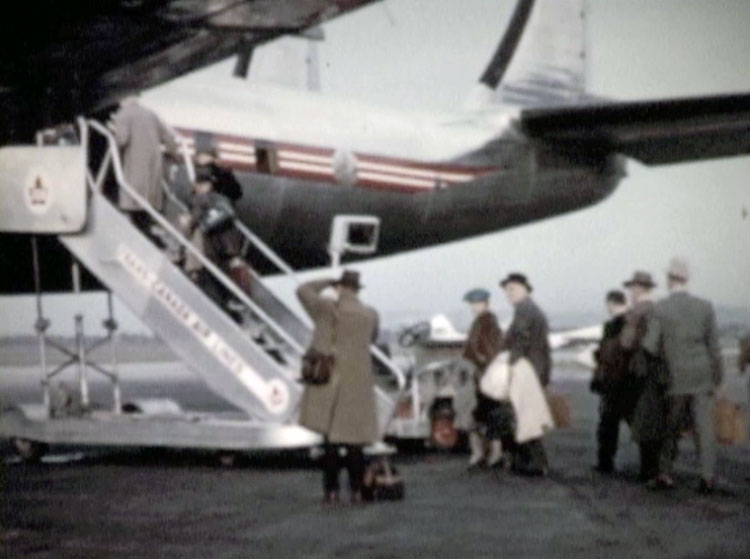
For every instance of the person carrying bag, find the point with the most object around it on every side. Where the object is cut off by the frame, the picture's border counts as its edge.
(341, 408)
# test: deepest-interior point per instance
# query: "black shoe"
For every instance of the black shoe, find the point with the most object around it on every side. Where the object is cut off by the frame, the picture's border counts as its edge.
(331, 498)
(706, 487)
(662, 482)
(605, 470)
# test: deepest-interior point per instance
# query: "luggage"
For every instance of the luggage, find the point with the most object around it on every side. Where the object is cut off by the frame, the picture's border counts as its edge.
(730, 423)
(382, 482)
(240, 272)
(495, 382)
(219, 216)
(560, 410)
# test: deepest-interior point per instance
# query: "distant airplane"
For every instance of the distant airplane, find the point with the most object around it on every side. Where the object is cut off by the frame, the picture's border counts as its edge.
(529, 144)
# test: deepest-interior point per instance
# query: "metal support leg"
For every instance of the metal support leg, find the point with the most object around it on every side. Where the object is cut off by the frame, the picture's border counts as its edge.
(110, 324)
(81, 347)
(41, 326)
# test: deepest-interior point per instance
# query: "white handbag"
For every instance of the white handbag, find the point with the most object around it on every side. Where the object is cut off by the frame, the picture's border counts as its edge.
(495, 383)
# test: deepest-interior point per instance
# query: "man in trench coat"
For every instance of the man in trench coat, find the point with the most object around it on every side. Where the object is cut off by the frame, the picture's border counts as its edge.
(343, 410)
(140, 133)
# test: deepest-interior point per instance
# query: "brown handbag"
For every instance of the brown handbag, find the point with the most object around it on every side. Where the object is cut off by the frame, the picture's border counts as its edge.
(318, 366)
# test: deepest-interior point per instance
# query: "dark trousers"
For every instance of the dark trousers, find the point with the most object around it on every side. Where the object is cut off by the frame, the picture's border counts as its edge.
(142, 220)
(353, 460)
(616, 405)
(531, 458)
(701, 407)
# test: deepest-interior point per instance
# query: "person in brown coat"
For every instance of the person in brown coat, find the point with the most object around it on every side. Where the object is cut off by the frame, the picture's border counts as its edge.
(482, 345)
(140, 133)
(343, 410)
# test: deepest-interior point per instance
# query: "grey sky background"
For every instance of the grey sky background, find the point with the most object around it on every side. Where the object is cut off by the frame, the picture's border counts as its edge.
(427, 54)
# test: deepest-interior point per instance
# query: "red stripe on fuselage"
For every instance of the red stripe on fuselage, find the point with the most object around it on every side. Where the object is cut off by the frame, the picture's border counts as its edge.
(315, 163)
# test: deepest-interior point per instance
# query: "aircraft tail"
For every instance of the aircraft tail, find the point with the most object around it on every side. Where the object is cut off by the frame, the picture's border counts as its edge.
(541, 59)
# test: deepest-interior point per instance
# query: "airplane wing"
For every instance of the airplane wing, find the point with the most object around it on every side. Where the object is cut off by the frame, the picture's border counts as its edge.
(653, 132)
(65, 58)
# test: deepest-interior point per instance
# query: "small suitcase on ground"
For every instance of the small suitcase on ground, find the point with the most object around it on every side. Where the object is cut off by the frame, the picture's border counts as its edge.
(560, 410)
(730, 423)
(382, 482)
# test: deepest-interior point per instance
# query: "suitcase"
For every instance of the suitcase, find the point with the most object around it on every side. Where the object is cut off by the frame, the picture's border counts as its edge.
(382, 482)
(560, 409)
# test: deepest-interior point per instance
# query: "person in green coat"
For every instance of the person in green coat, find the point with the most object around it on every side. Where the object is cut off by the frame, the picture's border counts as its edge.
(343, 409)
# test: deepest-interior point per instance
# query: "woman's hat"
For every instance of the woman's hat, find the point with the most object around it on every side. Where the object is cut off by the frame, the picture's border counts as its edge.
(477, 295)
(350, 279)
(640, 278)
(515, 277)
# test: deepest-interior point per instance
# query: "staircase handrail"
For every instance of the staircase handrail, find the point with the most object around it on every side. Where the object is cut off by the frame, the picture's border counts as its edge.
(113, 158)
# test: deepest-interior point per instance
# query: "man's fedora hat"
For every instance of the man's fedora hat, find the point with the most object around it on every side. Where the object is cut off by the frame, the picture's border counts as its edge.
(515, 277)
(640, 278)
(679, 269)
(349, 279)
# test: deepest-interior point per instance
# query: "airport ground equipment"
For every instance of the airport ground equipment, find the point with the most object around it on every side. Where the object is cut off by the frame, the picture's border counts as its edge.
(254, 366)
(439, 397)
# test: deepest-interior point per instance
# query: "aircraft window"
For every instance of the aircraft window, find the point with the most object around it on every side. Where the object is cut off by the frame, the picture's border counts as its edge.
(362, 234)
(266, 160)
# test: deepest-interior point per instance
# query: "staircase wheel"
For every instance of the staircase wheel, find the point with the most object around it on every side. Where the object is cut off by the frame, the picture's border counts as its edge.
(29, 451)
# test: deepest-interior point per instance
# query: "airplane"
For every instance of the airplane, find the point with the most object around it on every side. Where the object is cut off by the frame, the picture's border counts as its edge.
(530, 144)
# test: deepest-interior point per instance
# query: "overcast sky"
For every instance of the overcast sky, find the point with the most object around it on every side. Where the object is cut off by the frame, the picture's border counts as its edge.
(428, 54)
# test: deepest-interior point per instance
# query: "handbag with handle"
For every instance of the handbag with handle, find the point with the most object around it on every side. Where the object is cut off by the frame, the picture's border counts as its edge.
(317, 366)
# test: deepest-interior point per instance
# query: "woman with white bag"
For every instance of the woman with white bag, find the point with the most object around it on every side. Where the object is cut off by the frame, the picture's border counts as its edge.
(482, 345)
(518, 384)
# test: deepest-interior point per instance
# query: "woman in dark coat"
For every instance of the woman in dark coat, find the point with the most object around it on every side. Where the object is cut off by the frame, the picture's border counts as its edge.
(482, 345)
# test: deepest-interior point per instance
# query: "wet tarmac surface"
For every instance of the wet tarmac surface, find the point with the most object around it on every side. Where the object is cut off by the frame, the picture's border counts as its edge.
(183, 504)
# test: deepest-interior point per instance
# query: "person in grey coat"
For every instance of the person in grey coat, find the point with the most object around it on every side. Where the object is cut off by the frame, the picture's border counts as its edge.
(343, 410)
(685, 334)
(527, 336)
(140, 133)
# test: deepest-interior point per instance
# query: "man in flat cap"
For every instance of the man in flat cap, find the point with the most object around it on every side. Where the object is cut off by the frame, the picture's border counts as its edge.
(482, 345)
(648, 374)
(343, 409)
(685, 335)
(528, 336)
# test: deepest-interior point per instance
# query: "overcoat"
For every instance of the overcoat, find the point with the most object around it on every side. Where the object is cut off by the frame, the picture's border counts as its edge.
(685, 335)
(648, 372)
(528, 337)
(343, 409)
(484, 340)
(139, 133)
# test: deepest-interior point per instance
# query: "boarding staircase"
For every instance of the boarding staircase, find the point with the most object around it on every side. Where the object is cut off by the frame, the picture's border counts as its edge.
(256, 369)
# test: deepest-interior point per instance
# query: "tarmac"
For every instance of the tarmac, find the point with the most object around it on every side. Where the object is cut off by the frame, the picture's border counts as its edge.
(157, 503)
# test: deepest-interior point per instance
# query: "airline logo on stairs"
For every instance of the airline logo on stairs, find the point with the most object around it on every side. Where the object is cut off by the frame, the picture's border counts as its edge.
(273, 393)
